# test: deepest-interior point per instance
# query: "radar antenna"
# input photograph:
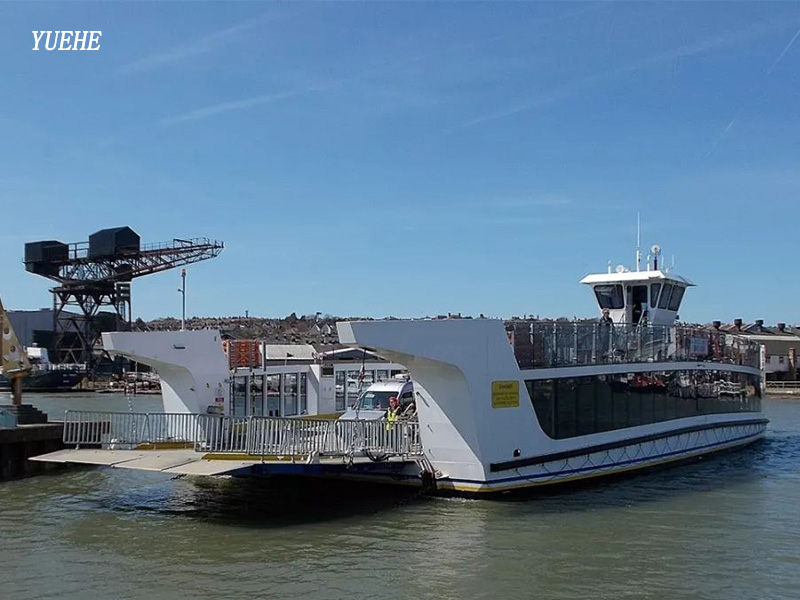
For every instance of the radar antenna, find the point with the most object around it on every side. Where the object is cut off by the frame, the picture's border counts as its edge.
(656, 250)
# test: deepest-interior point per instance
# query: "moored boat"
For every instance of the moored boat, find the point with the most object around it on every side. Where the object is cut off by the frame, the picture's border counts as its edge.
(525, 403)
(500, 405)
(47, 377)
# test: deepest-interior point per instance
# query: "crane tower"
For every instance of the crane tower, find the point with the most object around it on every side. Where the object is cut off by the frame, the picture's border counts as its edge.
(98, 273)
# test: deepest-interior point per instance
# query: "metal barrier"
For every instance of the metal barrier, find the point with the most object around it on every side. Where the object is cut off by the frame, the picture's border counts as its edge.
(783, 385)
(119, 430)
(562, 344)
(262, 436)
(257, 436)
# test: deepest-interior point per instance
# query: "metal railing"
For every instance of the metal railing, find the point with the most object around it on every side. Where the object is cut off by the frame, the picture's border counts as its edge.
(262, 436)
(257, 436)
(783, 385)
(566, 344)
(120, 430)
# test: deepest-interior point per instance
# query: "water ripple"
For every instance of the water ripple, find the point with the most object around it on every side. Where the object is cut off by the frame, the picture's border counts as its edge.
(722, 528)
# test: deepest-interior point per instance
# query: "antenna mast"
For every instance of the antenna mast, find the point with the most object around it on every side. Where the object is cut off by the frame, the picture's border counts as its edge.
(638, 244)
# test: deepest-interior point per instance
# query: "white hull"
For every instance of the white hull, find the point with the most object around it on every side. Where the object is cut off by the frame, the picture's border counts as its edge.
(477, 445)
(672, 448)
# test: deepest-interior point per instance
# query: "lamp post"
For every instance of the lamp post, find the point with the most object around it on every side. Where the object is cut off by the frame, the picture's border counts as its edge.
(182, 290)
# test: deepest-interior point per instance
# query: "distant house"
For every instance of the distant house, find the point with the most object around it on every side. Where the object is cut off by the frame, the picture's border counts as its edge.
(781, 344)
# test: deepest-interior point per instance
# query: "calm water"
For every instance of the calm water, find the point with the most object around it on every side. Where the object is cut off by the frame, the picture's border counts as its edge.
(724, 528)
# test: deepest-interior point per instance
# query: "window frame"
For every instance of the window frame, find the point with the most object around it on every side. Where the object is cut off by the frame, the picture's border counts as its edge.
(616, 302)
(677, 292)
(654, 297)
(666, 292)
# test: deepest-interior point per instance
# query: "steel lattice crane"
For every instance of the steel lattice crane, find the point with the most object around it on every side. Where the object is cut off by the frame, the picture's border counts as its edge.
(98, 273)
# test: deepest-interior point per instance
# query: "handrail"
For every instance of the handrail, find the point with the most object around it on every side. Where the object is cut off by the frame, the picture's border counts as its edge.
(783, 385)
(124, 430)
(256, 436)
(560, 344)
(276, 436)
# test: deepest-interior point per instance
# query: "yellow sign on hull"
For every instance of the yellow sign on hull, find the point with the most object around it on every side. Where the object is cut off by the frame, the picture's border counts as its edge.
(505, 394)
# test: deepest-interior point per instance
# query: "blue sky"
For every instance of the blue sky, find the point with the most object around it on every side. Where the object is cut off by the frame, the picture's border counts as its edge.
(374, 158)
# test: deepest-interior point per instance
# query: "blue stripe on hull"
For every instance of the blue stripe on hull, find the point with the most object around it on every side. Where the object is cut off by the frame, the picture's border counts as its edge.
(605, 467)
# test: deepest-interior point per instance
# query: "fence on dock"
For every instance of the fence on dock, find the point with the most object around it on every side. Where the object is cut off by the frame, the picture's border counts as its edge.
(782, 387)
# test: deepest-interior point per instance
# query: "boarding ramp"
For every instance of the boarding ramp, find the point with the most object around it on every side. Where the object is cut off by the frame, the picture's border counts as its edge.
(260, 438)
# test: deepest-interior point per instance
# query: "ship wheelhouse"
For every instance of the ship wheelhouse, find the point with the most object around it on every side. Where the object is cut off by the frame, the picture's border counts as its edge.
(639, 297)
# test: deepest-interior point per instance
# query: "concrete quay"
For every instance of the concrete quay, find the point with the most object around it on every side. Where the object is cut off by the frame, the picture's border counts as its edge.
(18, 444)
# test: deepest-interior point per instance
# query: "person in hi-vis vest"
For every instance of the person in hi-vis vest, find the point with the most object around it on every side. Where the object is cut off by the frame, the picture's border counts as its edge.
(392, 413)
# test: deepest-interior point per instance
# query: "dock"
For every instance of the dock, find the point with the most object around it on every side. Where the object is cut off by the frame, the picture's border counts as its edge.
(21, 443)
(181, 444)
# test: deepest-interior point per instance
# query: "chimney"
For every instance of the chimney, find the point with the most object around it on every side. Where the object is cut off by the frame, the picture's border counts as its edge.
(760, 322)
(717, 324)
(737, 323)
(782, 327)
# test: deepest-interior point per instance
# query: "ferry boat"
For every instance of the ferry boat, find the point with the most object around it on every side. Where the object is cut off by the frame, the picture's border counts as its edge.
(526, 403)
(500, 405)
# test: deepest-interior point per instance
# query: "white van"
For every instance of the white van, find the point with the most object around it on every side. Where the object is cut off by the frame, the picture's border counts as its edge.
(374, 402)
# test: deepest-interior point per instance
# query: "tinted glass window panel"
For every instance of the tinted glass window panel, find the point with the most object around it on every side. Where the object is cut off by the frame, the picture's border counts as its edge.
(541, 393)
(640, 294)
(239, 396)
(620, 409)
(341, 383)
(303, 393)
(566, 413)
(586, 402)
(604, 405)
(664, 300)
(609, 296)
(676, 297)
(290, 393)
(655, 288)
(635, 410)
(582, 406)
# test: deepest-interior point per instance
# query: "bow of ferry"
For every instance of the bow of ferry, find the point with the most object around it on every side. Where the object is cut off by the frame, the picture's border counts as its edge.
(583, 409)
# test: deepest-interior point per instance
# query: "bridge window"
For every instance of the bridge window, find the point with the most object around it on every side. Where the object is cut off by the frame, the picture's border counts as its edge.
(664, 300)
(609, 296)
(654, 289)
(676, 297)
(575, 406)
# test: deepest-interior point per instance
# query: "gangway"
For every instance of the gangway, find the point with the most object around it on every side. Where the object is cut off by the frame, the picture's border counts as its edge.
(204, 444)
